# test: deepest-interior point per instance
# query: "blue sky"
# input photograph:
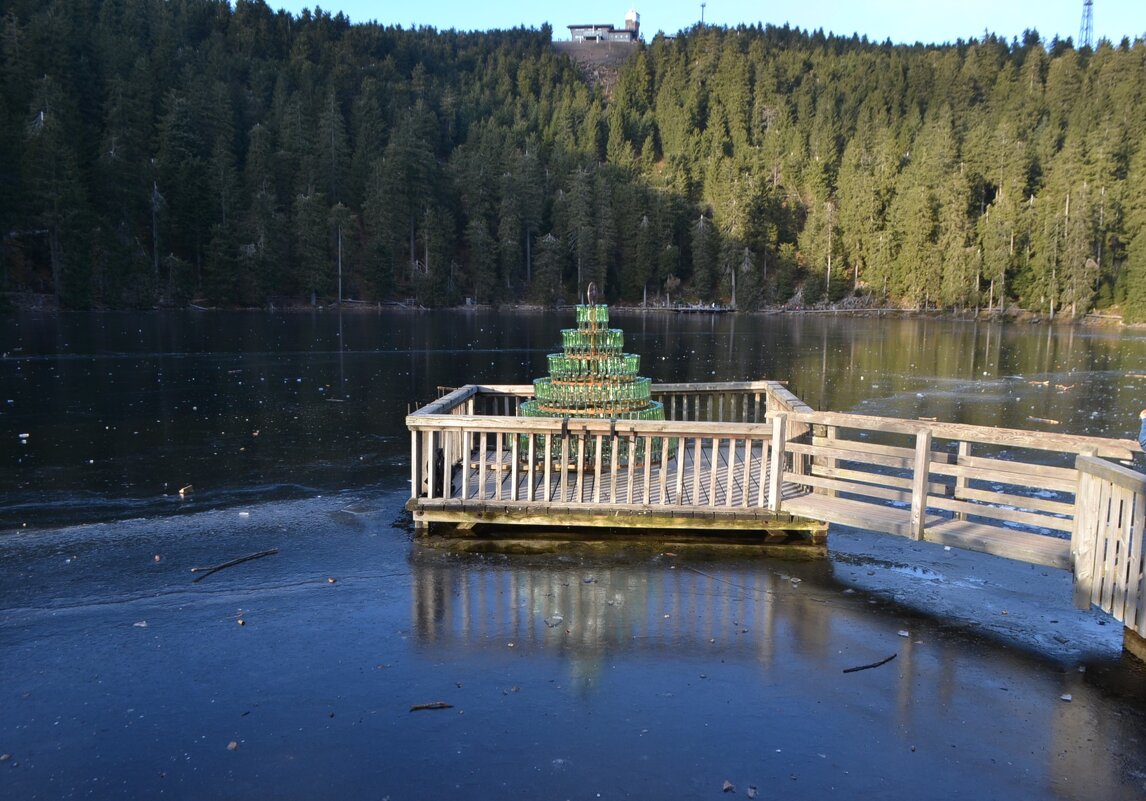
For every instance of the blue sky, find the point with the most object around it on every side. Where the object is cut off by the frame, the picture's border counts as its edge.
(900, 20)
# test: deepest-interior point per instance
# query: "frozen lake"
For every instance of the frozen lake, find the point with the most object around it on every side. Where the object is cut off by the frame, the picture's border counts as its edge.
(632, 675)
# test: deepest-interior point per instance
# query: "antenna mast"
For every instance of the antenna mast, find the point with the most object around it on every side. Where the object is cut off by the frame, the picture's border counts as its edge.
(1086, 29)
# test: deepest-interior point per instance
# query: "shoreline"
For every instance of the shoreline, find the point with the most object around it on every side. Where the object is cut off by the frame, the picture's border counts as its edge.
(45, 303)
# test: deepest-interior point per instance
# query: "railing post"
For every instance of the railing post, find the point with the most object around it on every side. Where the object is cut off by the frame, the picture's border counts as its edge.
(961, 481)
(776, 463)
(920, 483)
(415, 464)
(1084, 534)
(830, 463)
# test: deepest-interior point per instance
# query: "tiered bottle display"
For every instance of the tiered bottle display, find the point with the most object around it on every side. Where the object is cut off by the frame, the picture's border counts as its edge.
(594, 377)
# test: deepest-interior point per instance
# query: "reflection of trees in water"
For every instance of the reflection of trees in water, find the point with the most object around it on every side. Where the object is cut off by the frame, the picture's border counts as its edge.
(955, 370)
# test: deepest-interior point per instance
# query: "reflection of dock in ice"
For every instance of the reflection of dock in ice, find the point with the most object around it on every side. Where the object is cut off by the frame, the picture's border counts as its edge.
(755, 631)
(587, 611)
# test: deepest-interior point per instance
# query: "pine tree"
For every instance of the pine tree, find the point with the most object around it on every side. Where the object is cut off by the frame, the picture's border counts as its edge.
(1133, 280)
(181, 182)
(547, 284)
(334, 148)
(705, 253)
(309, 223)
(58, 200)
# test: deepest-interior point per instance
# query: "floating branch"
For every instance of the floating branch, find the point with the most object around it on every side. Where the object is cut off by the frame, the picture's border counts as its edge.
(869, 667)
(431, 705)
(206, 571)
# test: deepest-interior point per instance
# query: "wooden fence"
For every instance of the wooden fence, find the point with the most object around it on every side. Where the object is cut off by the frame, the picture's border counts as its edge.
(1107, 548)
(469, 447)
(752, 454)
(1003, 491)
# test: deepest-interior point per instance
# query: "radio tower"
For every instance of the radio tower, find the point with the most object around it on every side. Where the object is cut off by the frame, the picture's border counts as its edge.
(1086, 29)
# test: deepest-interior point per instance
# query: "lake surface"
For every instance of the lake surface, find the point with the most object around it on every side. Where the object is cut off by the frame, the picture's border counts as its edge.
(630, 675)
(123, 410)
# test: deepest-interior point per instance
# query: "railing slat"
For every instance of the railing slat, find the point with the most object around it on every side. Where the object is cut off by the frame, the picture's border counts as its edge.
(731, 477)
(760, 492)
(647, 484)
(713, 470)
(1136, 571)
(415, 464)
(514, 445)
(662, 472)
(776, 465)
(697, 467)
(532, 469)
(482, 456)
(614, 466)
(598, 480)
(465, 464)
(678, 487)
(447, 466)
(580, 483)
(563, 467)
(548, 467)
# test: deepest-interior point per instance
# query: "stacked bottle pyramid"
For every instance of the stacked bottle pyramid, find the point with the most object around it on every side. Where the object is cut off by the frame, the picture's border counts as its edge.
(593, 376)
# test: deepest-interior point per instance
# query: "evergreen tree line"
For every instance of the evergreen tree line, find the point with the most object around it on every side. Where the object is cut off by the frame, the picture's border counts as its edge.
(165, 151)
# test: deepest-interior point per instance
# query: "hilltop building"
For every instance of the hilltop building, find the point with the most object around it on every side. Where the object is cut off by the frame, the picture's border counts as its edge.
(607, 33)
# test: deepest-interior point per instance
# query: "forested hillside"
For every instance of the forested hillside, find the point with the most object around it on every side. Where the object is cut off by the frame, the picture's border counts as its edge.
(168, 151)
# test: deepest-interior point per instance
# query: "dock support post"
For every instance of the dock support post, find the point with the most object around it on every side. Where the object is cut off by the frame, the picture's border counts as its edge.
(920, 482)
(776, 464)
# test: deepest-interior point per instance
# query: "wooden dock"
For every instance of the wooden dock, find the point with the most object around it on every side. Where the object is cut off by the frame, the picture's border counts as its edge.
(752, 457)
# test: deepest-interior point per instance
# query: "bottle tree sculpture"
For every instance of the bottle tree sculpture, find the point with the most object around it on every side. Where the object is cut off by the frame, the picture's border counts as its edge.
(593, 377)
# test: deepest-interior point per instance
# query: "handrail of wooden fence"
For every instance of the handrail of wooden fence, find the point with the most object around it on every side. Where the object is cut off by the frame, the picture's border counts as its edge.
(725, 401)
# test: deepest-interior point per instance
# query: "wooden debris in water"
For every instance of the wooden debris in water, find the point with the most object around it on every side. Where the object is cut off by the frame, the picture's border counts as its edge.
(880, 663)
(431, 705)
(206, 571)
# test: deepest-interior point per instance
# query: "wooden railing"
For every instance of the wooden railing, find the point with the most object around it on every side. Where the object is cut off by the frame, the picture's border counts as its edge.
(1107, 543)
(1007, 492)
(462, 452)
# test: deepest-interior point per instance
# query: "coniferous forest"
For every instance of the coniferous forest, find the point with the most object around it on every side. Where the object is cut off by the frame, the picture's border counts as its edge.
(162, 152)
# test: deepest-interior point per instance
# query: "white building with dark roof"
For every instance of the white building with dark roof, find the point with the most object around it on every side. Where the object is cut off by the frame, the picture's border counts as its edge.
(607, 33)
